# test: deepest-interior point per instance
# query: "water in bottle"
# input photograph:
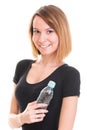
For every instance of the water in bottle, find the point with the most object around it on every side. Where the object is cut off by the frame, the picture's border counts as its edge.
(46, 93)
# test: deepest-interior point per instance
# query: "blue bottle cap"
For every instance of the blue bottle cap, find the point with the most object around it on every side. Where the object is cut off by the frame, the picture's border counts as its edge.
(51, 84)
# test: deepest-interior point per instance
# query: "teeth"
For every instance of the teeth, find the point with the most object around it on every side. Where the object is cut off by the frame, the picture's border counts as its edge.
(45, 46)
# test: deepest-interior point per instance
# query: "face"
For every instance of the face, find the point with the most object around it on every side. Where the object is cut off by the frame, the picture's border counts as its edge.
(44, 37)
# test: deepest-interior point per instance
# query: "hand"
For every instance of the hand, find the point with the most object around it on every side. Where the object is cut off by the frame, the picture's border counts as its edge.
(34, 112)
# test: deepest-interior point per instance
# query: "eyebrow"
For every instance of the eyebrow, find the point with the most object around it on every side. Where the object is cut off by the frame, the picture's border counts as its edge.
(45, 29)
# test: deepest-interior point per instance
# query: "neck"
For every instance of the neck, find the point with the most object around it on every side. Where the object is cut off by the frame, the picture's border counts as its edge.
(48, 61)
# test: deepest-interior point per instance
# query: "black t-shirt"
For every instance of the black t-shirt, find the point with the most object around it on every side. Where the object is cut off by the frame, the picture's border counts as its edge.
(67, 80)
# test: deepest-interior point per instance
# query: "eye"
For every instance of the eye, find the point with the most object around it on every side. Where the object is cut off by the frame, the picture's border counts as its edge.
(50, 31)
(36, 31)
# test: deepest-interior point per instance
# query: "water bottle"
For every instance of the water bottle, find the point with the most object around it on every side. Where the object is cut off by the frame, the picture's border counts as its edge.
(46, 93)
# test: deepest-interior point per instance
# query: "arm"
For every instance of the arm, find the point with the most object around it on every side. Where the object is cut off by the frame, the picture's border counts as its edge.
(68, 112)
(30, 115)
(14, 118)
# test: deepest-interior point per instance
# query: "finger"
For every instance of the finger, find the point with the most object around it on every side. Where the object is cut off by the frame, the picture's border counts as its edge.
(40, 105)
(38, 116)
(38, 120)
(38, 111)
(32, 103)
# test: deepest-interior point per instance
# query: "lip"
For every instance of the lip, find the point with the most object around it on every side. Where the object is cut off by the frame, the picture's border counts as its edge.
(45, 46)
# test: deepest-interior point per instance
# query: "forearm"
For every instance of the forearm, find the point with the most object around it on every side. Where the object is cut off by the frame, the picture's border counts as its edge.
(15, 121)
(68, 113)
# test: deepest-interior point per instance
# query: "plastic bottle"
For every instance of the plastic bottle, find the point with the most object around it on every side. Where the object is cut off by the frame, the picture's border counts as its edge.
(46, 93)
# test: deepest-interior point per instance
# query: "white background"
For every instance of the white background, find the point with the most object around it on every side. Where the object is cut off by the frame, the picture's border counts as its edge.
(14, 46)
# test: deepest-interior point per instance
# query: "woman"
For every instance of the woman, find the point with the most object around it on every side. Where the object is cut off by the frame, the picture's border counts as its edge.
(51, 43)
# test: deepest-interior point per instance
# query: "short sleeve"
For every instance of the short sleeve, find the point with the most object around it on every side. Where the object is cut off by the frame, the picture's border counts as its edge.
(21, 67)
(71, 83)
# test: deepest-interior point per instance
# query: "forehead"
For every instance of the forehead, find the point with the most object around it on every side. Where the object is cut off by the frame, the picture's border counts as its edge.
(38, 22)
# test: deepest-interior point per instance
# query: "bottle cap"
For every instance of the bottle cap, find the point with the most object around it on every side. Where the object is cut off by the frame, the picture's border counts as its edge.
(51, 84)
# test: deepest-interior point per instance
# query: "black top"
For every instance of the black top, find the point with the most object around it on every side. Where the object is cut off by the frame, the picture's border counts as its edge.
(67, 80)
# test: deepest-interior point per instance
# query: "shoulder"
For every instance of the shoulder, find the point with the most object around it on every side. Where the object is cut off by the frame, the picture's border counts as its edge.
(72, 74)
(70, 70)
(22, 65)
(71, 81)
(24, 62)
(67, 70)
(21, 68)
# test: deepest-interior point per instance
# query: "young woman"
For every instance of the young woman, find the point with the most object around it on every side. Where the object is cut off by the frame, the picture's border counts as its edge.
(51, 43)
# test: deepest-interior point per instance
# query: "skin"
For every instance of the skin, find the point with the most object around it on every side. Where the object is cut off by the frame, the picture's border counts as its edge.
(46, 41)
(44, 37)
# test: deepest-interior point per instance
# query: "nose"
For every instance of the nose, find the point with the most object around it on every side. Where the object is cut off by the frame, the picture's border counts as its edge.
(42, 37)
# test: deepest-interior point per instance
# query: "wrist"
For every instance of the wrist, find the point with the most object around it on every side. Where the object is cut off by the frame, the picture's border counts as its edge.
(20, 119)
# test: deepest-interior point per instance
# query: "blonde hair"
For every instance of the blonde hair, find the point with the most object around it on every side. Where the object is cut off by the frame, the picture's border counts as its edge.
(57, 20)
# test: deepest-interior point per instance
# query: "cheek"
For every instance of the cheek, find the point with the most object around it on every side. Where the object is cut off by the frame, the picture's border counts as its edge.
(55, 40)
(34, 39)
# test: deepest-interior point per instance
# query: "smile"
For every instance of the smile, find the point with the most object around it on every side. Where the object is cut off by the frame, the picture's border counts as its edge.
(45, 46)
